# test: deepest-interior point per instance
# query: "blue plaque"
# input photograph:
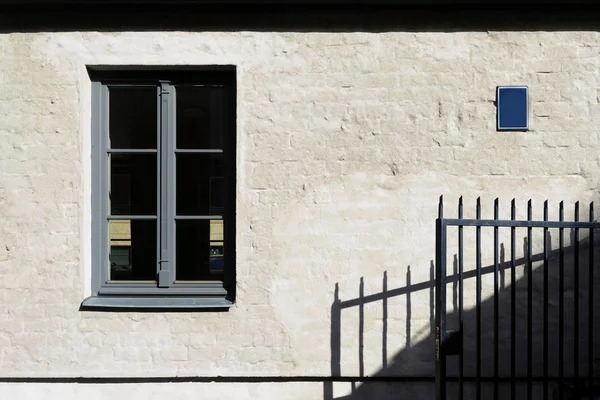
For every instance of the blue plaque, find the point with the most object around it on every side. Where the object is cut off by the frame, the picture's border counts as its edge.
(511, 108)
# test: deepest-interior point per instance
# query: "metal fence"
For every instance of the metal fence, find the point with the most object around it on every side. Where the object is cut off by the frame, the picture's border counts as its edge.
(566, 375)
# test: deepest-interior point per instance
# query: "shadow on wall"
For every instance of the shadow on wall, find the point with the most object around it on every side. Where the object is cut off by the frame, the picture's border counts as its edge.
(411, 373)
(285, 17)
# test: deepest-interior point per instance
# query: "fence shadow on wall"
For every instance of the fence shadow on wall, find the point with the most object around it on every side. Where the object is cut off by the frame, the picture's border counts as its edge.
(392, 381)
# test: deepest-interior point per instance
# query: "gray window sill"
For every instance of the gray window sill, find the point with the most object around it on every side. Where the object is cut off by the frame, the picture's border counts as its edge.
(154, 302)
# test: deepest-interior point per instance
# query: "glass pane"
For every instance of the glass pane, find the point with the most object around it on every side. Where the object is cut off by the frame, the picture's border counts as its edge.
(132, 184)
(199, 250)
(199, 118)
(199, 184)
(132, 117)
(132, 254)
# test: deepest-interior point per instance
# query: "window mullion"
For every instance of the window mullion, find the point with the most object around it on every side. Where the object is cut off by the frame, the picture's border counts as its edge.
(166, 274)
(170, 189)
(104, 183)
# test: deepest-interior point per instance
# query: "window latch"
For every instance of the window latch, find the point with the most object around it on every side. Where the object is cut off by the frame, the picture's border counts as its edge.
(162, 87)
(164, 277)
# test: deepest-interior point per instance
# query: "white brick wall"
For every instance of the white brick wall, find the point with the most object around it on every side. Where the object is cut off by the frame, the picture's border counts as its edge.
(346, 140)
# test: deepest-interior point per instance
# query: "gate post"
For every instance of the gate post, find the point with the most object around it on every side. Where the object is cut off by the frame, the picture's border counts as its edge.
(440, 304)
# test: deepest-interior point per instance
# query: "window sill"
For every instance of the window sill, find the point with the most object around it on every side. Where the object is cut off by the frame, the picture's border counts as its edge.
(163, 303)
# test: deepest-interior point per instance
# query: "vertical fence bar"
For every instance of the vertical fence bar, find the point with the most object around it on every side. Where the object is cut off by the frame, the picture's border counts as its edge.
(513, 302)
(529, 305)
(478, 303)
(561, 304)
(591, 307)
(440, 304)
(461, 359)
(496, 307)
(546, 245)
(576, 302)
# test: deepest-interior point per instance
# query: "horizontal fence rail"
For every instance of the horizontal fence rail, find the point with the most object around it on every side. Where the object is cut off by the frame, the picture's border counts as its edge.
(533, 339)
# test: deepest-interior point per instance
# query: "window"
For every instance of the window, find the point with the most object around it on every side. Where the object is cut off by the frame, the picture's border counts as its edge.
(163, 190)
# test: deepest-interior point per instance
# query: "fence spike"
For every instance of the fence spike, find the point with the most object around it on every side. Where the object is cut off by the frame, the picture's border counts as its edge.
(561, 210)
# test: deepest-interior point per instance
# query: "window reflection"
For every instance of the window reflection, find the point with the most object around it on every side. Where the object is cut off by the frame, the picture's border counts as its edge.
(200, 250)
(132, 117)
(133, 184)
(199, 117)
(132, 254)
(199, 184)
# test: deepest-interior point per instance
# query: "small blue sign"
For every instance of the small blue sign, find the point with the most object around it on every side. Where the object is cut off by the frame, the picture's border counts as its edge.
(511, 108)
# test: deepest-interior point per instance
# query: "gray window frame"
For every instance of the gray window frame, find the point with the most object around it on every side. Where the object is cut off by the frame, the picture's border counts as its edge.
(166, 292)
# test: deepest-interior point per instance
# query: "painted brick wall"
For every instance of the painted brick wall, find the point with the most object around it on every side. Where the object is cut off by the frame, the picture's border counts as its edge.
(346, 141)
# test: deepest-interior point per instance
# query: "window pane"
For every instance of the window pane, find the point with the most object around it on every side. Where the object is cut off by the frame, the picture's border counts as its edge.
(132, 184)
(132, 254)
(199, 250)
(132, 117)
(199, 184)
(199, 118)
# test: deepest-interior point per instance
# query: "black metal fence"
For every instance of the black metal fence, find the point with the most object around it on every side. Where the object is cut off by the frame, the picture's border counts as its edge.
(556, 298)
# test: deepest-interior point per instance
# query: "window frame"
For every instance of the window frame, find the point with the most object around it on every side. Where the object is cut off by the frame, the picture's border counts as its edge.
(166, 292)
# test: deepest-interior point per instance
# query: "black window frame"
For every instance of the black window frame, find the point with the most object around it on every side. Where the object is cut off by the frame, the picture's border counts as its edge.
(166, 292)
